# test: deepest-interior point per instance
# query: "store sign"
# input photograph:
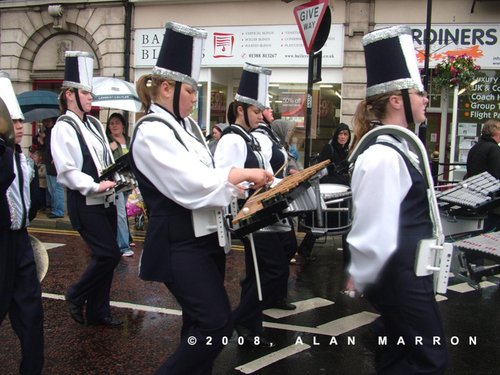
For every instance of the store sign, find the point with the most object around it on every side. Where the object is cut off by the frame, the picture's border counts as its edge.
(269, 45)
(480, 41)
(483, 102)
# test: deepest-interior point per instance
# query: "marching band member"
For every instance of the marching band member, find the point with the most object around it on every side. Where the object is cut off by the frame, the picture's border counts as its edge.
(181, 186)
(391, 210)
(81, 152)
(284, 232)
(238, 147)
(20, 291)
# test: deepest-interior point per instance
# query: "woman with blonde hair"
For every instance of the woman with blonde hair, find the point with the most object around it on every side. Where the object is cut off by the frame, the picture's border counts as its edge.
(184, 193)
(391, 210)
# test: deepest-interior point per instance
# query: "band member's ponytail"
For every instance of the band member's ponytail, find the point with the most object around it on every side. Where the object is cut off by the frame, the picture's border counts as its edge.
(368, 113)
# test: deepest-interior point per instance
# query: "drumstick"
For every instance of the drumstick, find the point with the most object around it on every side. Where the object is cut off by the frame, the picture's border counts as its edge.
(278, 171)
(256, 267)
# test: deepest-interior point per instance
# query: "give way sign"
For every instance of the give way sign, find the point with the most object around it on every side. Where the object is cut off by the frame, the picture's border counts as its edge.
(308, 17)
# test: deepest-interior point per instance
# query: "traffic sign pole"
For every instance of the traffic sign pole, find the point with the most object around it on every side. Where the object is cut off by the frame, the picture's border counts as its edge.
(311, 22)
(308, 122)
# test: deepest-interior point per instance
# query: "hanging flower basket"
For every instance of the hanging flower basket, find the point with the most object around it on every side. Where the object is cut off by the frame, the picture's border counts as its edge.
(456, 71)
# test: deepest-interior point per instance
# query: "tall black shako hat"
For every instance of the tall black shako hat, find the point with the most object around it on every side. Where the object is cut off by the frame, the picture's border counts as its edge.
(181, 53)
(78, 70)
(253, 86)
(391, 62)
(180, 57)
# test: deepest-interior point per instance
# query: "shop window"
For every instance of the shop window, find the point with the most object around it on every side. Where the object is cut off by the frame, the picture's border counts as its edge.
(288, 101)
(475, 106)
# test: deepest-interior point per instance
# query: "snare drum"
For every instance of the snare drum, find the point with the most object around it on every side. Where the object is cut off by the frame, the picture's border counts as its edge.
(336, 211)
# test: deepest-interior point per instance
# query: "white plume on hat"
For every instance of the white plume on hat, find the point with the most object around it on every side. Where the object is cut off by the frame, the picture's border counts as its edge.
(9, 97)
(78, 70)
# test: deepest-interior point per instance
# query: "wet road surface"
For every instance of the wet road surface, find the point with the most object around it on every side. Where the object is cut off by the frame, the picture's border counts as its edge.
(329, 333)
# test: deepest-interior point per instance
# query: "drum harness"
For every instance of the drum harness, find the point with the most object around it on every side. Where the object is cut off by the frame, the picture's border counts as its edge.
(433, 254)
(107, 197)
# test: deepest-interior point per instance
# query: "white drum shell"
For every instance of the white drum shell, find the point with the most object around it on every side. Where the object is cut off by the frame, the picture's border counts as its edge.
(336, 211)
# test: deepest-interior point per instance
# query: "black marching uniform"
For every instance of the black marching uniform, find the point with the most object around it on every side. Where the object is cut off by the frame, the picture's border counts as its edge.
(192, 267)
(273, 264)
(20, 291)
(285, 236)
(92, 214)
(406, 302)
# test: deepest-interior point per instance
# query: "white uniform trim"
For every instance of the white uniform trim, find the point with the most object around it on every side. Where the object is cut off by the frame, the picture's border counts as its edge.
(68, 157)
(380, 182)
(180, 174)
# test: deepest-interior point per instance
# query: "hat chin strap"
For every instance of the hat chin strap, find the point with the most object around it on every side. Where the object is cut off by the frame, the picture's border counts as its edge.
(407, 106)
(245, 115)
(77, 98)
(177, 95)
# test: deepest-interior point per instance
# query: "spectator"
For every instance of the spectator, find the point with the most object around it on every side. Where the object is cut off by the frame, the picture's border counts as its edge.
(484, 156)
(216, 134)
(335, 150)
(56, 190)
(116, 130)
(37, 157)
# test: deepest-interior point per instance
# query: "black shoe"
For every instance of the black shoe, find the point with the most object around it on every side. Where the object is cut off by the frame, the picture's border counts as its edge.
(108, 321)
(283, 305)
(253, 340)
(76, 311)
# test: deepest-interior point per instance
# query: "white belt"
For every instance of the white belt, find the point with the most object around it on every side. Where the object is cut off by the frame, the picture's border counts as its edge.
(105, 198)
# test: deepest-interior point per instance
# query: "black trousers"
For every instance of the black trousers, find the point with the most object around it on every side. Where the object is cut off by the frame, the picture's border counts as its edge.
(198, 267)
(21, 297)
(97, 226)
(271, 249)
(409, 312)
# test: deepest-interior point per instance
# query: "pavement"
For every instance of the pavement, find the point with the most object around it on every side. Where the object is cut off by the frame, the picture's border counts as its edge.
(328, 333)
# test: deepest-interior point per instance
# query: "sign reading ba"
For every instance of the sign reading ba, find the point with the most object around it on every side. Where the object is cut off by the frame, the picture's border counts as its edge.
(314, 20)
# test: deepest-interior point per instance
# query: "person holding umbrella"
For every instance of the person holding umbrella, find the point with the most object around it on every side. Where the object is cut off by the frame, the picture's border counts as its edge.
(81, 152)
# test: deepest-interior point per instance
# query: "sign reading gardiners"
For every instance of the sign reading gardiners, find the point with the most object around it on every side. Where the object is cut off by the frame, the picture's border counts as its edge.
(308, 17)
(480, 41)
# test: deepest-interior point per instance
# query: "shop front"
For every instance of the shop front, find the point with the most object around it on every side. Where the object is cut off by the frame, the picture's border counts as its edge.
(278, 47)
(455, 116)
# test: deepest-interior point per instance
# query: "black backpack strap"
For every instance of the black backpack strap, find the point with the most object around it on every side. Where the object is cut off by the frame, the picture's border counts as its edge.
(155, 117)
(251, 141)
(270, 133)
(70, 121)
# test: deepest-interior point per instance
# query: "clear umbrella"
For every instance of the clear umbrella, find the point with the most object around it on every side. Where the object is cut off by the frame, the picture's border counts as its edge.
(111, 92)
